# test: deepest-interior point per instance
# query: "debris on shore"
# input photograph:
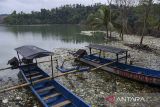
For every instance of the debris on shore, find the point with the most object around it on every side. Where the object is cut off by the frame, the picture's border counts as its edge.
(95, 86)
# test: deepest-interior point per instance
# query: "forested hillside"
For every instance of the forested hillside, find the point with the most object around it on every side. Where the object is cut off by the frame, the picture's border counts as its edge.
(124, 17)
(68, 14)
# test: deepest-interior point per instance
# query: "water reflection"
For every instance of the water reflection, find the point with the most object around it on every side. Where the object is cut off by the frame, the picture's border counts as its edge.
(45, 36)
(65, 33)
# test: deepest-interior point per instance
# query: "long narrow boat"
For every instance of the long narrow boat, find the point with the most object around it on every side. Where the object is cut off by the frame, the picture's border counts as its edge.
(122, 69)
(49, 92)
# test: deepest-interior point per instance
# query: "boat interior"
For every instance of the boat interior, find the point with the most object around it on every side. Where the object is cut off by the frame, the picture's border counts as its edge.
(50, 92)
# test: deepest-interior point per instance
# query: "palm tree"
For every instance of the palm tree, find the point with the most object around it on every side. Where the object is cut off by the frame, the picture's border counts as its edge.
(100, 19)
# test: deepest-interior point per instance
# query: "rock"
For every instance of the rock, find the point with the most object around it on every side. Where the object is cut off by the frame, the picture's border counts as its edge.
(101, 92)
(5, 101)
(18, 98)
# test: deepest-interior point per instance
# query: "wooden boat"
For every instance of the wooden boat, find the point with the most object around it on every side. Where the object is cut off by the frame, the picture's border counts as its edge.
(122, 69)
(50, 93)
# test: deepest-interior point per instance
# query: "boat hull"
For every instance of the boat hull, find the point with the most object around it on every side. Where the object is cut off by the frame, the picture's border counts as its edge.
(56, 95)
(138, 76)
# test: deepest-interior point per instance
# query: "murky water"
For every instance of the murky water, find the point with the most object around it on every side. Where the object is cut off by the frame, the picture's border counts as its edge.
(93, 87)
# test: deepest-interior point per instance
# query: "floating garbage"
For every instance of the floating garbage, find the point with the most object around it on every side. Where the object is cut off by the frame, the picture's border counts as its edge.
(91, 33)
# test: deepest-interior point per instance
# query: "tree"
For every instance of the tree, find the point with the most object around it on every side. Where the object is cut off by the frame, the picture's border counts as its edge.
(67, 14)
(101, 19)
(147, 7)
(110, 15)
(157, 11)
(124, 6)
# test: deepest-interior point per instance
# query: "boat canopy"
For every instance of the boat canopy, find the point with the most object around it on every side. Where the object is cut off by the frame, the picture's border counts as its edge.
(31, 52)
(107, 48)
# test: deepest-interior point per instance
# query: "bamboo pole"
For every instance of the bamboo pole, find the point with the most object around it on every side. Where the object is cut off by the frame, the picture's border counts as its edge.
(50, 78)
(5, 68)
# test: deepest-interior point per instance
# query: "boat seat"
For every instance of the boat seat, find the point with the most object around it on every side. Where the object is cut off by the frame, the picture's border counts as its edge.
(45, 89)
(32, 74)
(33, 77)
(51, 96)
(61, 104)
(41, 85)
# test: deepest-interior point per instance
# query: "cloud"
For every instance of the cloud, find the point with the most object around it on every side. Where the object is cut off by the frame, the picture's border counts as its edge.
(7, 6)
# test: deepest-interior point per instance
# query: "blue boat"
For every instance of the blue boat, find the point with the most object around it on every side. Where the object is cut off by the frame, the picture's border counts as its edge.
(62, 69)
(77, 68)
(50, 93)
(118, 67)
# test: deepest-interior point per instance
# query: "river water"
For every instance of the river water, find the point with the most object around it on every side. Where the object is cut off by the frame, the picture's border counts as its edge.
(45, 36)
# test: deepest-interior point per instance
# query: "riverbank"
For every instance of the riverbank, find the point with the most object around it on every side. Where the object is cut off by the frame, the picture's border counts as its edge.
(94, 87)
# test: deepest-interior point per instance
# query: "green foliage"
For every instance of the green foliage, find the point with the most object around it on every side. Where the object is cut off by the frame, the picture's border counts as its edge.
(100, 18)
(96, 16)
(135, 18)
(68, 14)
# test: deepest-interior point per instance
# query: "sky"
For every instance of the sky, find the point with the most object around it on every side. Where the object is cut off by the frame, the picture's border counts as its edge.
(8, 6)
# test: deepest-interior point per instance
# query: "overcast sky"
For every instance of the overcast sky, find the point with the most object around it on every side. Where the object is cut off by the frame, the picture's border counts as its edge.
(7, 6)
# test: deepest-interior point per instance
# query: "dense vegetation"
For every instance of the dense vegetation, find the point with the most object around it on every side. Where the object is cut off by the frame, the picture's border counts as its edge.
(123, 16)
(68, 14)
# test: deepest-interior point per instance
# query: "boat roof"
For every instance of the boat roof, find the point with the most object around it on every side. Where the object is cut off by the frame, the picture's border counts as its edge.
(31, 52)
(107, 48)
